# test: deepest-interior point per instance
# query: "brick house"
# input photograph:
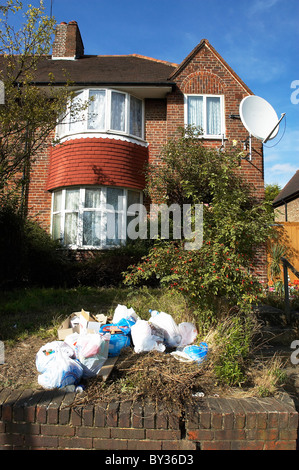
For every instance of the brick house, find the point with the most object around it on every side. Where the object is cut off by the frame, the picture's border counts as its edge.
(286, 203)
(138, 104)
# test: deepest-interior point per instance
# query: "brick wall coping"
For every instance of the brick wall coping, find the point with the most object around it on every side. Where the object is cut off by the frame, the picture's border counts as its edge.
(45, 420)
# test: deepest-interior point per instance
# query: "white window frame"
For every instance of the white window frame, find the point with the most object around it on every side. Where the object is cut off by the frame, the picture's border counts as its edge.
(103, 209)
(63, 127)
(205, 135)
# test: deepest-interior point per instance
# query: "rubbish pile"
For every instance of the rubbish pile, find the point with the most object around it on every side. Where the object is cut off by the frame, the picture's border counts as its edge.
(85, 342)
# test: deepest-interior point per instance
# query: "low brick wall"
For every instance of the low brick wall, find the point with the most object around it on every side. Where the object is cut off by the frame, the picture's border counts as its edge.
(44, 420)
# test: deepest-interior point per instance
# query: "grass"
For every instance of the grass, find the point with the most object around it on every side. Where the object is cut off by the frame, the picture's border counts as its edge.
(36, 312)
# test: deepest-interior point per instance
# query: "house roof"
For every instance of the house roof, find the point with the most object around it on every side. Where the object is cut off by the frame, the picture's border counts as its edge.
(289, 192)
(119, 70)
(124, 69)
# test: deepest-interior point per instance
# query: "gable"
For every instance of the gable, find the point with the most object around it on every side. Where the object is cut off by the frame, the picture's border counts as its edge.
(204, 66)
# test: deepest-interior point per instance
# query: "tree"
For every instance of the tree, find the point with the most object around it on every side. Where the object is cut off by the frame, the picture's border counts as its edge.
(271, 191)
(220, 274)
(30, 113)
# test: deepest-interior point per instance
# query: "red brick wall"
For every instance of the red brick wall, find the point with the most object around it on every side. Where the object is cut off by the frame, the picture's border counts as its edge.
(46, 420)
(96, 161)
(155, 126)
(205, 74)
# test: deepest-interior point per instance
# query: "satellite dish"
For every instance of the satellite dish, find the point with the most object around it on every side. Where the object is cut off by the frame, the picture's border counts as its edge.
(259, 118)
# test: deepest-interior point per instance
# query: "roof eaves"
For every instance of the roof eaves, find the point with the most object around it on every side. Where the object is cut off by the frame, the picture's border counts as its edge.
(114, 83)
(283, 200)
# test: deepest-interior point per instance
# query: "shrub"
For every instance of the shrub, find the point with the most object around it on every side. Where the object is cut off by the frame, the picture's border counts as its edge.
(28, 254)
(221, 274)
(234, 342)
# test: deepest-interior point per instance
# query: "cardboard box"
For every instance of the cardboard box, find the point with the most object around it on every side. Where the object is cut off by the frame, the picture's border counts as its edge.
(80, 322)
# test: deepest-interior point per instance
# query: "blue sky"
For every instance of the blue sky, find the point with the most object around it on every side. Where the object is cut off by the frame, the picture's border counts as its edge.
(259, 39)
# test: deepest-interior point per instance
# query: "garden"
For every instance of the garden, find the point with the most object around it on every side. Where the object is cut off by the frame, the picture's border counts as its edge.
(214, 287)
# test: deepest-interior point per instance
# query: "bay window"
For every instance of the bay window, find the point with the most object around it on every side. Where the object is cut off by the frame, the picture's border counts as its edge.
(103, 110)
(92, 217)
(207, 113)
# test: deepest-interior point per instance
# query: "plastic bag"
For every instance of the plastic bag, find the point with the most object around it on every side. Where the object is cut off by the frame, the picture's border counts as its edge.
(197, 353)
(191, 353)
(91, 349)
(92, 352)
(188, 333)
(172, 336)
(147, 337)
(120, 336)
(61, 370)
(47, 353)
(123, 312)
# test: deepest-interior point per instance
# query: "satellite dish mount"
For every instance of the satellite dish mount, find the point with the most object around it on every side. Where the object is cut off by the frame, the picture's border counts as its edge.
(260, 119)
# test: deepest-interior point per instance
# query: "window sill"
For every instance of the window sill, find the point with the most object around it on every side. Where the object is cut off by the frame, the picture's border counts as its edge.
(89, 247)
(102, 135)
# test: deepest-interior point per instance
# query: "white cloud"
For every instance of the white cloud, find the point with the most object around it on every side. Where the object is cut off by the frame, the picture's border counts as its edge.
(261, 5)
(283, 168)
(279, 173)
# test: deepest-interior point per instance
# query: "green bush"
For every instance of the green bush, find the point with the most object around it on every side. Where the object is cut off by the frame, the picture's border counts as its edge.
(28, 254)
(221, 274)
(104, 268)
(234, 341)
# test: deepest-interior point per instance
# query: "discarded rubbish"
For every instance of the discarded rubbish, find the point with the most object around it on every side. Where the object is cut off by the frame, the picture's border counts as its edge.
(191, 353)
(188, 333)
(59, 369)
(197, 353)
(87, 343)
(172, 336)
(122, 311)
(198, 394)
(147, 337)
(91, 350)
(120, 335)
(79, 322)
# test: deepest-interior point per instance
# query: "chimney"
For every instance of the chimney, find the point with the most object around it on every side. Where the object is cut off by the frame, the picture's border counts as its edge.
(68, 43)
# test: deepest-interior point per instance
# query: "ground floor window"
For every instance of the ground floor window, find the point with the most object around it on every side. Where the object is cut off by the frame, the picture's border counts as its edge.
(92, 217)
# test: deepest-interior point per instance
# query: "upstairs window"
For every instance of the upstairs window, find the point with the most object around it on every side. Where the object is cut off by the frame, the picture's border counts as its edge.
(207, 113)
(103, 110)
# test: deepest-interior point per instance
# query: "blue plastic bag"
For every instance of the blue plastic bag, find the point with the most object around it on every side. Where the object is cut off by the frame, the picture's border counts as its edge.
(197, 353)
(120, 336)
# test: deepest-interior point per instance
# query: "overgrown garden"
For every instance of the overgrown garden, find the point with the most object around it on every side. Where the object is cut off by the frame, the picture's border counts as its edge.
(215, 286)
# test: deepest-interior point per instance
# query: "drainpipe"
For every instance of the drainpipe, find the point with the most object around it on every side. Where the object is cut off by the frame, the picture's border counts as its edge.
(285, 210)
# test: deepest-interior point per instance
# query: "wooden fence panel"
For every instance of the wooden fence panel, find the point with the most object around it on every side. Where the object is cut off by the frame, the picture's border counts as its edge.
(291, 234)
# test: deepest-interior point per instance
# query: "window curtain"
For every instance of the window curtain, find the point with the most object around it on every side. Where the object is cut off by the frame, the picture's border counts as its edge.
(195, 111)
(77, 114)
(118, 106)
(70, 228)
(92, 198)
(213, 116)
(135, 116)
(96, 110)
(92, 228)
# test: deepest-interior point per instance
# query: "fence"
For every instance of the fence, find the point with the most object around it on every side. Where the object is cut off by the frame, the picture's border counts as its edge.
(289, 233)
